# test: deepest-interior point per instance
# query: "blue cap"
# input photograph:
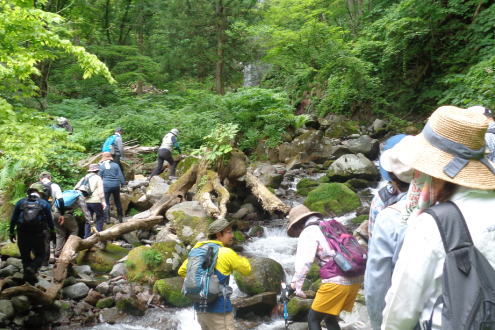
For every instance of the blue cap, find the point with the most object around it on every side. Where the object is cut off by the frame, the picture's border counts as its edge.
(389, 145)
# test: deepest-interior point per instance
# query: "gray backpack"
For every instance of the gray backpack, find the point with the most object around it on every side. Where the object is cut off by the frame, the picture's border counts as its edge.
(468, 286)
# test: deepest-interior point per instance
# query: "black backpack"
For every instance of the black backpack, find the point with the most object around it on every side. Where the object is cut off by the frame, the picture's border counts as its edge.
(468, 288)
(31, 215)
(85, 183)
(47, 190)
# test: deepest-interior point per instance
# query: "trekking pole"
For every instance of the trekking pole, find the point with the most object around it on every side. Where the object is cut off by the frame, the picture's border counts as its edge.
(285, 298)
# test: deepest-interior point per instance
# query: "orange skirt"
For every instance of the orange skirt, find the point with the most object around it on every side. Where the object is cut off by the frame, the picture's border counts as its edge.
(333, 298)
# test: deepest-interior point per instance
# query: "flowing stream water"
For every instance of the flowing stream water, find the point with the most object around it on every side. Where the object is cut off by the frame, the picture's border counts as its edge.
(274, 244)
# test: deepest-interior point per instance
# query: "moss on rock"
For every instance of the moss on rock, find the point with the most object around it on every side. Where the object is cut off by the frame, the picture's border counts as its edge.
(307, 183)
(10, 250)
(238, 236)
(315, 286)
(190, 222)
(298, 308)
(256, 231)
(360, 219)
(339, 130)
(305, 191)
(106, 302)
(102, 261)
(332, 199)
(171, 291)
(266, 275)
(185, 164)
(314, 272)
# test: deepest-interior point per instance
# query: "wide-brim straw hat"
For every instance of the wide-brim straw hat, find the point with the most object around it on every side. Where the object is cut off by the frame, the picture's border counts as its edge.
(460, 126)
(297, 214)
(106, 156)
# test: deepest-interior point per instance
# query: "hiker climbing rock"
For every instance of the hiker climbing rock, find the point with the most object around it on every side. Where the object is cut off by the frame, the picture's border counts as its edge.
(96, 198)
(31, 217)
(62, 122)
(216, 314)
(112, 180)
(340, 278)
(115, 146)
(169, 142)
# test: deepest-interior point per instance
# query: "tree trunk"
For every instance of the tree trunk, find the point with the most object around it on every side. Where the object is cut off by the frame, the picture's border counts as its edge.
(220, 70)
(139, 89)
(360, 7)
(212, 184)
(268, 200)
(350, 8)
(75, 244)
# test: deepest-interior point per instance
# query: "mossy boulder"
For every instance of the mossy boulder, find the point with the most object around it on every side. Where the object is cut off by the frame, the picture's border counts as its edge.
(266, 275)
(271, 180)
(316, 285)
(131, 307)
(358, 183)
(238, 236)
(106, 303)
(185, 165)
(256, 231)
(298, 309)
(332, 199)
(324, 179)
(170, 289)
(360, 219)
(342, 129)
(10, 250)
(307, 183)
(307, 142)
(102, 261)
(305, 191)
(353, 166)
(190, 222)
(314, 272)
(148, 264)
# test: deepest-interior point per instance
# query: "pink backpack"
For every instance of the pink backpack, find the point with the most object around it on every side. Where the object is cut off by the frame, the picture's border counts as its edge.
(341, 241)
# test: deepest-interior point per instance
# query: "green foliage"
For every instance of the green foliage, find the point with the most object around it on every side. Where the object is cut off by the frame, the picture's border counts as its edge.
(218, 144)
(152, 257)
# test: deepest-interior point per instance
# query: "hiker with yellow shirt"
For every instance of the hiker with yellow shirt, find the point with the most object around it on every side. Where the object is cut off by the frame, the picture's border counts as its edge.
(219, 314)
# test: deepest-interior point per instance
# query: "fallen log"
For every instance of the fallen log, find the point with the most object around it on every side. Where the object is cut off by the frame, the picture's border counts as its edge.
(268, 200)
(73, 245)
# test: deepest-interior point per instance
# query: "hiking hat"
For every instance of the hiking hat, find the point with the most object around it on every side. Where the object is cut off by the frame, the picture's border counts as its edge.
(481, 109)
(391, 163)
(94, 168)
(61, 120)
(38, 187)
(45, 174)
(119, 129)
(452, 148)
(389, 144)
(106, 156)
(217, 226)
(174, 131)
(297, 214)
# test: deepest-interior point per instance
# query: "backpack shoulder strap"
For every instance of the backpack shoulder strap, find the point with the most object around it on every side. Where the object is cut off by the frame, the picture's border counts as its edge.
(452, 226)
(491, 130)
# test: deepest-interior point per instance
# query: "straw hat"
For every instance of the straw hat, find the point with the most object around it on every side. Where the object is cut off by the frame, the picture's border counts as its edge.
(465, 128)
(297, 214)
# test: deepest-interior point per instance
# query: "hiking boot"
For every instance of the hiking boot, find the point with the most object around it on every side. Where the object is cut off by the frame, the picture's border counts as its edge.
(107, 221)
(119, 217)
(30, 276)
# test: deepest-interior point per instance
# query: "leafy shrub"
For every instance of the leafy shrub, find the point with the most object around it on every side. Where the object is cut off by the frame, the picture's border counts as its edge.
(152, 257)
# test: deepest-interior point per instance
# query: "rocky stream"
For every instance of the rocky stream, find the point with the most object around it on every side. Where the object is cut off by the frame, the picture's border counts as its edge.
(131, 283)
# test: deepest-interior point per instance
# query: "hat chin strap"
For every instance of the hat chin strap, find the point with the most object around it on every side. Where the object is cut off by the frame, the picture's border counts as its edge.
(462, 154)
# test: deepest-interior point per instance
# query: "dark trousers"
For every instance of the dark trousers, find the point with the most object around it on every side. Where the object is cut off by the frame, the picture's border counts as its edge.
(115, 191)
(35, 242)
(315, 318)
(47, 239)
(164, 154)
(116, 159)
(94, 208)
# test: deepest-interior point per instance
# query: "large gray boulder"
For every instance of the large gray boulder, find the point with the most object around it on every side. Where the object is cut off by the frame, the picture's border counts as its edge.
(8, 271)
(190, 222)
(298, 309)
(21, 304)
(323, 151)
(364, 145)
(284, 152)
(138, 184)
(156, 189)
(119, 269)
(76, 291)
(299, 161)
(103, 288)
(165, 235)
(260, 304)
(307, 142)
(266, 275)
(353, 166)
(17, 263)
(139, 200)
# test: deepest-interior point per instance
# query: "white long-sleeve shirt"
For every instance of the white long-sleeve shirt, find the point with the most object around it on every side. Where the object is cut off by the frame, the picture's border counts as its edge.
(418, 274)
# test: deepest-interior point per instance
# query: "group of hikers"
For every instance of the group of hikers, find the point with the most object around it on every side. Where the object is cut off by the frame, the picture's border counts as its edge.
(431, 251)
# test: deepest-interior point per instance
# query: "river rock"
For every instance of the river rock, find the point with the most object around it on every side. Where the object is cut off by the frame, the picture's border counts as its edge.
(17, 263)
(192, 216)
(332, 199)
(10, 250)
(266, 275)
(110, 315)
(139, 200)
(155, 190)
(284, 152)
(118, 270)
(260, 304)
(353, 166)
(93, 298)
(8, 271)
(7, 308)
(341, 129)
(76, 291)
(102, 261)
(298, 309)
(377, 125)
(103, 288)
(131, 307)
(106, 303)
(128, 171)
(307, 142)
(21, 304)
(132, 239)
(298, 161)
(138, 184)
(256, 231)
(340, 150)
(83, 269)
(271, 180)
(298, 326)
(364, 145)
(165, 235)
(170, 290)
(185, 164)
(264, 152)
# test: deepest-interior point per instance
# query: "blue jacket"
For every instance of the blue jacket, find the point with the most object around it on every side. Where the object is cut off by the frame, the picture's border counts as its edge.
(388, 236)
(113, 176)
(16, 216)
